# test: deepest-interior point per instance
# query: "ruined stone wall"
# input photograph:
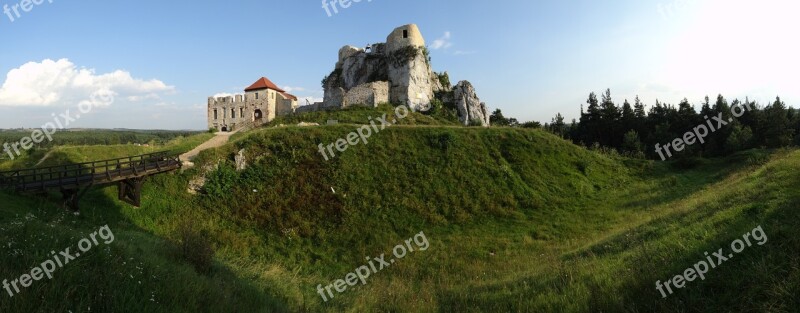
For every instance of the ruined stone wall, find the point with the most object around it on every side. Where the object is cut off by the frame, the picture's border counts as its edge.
(369, 94)
(229, 112)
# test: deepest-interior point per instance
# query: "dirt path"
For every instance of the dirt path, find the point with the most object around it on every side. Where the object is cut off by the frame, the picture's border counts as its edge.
(218, 140)
(49, 153)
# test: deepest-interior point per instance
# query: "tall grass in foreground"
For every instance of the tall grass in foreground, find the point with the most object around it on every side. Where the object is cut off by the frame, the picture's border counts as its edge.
(518, 221)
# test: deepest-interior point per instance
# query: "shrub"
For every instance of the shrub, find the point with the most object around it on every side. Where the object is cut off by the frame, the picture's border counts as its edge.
(194, 247)
(474, 122)
(220, 182)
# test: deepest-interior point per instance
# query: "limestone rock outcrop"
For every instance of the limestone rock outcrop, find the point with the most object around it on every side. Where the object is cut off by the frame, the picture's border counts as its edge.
(399, 72)
(470, 108)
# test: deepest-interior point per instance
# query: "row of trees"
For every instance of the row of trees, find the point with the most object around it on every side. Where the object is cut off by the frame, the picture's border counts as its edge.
(631, 129)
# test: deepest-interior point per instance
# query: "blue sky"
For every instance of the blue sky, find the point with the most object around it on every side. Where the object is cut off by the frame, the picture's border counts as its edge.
(532, 59)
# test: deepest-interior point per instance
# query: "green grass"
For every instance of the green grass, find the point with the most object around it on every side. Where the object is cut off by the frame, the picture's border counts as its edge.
(86, 153)
(518, 221)
(361, 115)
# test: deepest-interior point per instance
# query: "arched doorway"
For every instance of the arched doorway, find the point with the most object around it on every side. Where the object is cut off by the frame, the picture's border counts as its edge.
(258, 115)
(224, 129)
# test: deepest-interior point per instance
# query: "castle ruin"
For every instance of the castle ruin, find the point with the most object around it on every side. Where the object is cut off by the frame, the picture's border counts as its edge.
(397, 71)
(260, 104)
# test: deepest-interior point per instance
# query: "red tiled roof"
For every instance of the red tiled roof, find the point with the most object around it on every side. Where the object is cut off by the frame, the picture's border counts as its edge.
(288, 96)
(263, 83)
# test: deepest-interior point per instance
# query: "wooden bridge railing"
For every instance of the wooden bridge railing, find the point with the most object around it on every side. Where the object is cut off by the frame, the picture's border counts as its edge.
(87, 173)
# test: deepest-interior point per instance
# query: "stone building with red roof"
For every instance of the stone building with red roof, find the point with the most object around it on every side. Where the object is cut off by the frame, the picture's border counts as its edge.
(260, 104)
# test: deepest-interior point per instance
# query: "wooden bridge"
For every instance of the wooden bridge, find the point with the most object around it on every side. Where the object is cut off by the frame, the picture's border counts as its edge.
(74, 180)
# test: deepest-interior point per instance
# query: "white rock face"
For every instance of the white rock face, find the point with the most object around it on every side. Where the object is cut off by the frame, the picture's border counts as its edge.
(346, 52)
(241, 161)
(361, 68)
(401, 65)
(470, 107)
(412, 83)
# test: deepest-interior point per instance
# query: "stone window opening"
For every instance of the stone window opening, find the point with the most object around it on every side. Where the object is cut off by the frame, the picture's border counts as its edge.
(216, 116)
(233, 113)
(405, 33)
(241, 112)
(256, 96)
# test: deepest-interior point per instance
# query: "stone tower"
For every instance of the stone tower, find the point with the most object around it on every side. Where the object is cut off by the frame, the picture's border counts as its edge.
(412, 81)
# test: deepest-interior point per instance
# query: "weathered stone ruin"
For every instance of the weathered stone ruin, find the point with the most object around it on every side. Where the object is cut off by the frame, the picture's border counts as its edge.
(399, 72)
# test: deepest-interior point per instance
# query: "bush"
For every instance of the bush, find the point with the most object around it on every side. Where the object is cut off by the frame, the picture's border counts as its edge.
(194, 247)
(532, 124)
(220, 182)
(474, 123)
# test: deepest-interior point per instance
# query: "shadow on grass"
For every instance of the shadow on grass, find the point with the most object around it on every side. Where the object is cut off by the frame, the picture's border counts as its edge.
(138, 272)
(670, 184)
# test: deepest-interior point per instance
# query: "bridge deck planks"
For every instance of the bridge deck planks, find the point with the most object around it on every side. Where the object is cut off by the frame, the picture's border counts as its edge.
(72, 177)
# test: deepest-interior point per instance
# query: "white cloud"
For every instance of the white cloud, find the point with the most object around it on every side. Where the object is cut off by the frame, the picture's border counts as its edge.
(302, 100)
(61, 82)
(137, 98)
(291, 89)
(223, 95)
(443, 42)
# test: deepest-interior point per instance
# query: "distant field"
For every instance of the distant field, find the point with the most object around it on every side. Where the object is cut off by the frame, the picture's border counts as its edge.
(93, 145)
(98, 137)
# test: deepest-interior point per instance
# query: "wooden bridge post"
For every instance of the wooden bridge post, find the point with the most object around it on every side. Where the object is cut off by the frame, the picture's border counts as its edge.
(72, 196)
(130, 190)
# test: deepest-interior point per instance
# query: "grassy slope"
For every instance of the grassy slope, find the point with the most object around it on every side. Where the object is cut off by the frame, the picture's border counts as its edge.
(138, 272)
(518, 220)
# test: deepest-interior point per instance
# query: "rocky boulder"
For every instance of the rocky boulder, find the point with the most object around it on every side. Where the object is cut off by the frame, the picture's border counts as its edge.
(470, 108)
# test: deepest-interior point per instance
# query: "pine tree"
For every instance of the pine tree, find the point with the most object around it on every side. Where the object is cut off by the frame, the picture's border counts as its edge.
(777, 130)
(557, 126)
(610, 116)
(590, 121)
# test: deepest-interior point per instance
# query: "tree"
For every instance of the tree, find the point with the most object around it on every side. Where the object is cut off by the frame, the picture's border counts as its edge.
(628, 117)
(531, 124)
(590, 121)
(777, 130)
(631, 144)
(610, 115)
(497, 119)
(557, 126)
(718, 137)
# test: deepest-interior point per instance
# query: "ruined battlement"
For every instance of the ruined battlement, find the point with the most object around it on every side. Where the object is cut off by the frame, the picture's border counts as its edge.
(260, 104)
(226, 100)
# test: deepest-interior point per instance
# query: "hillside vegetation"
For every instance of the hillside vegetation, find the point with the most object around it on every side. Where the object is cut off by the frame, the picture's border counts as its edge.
(518, 221)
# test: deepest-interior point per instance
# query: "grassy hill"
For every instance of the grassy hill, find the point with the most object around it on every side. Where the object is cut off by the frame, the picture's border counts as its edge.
(517, 220)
